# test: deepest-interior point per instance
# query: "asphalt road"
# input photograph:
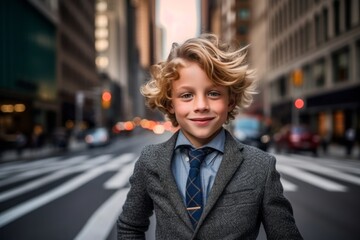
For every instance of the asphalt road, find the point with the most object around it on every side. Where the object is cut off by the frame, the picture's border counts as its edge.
(79, 195)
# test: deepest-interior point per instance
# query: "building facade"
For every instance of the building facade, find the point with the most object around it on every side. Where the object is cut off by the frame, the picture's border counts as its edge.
(77, 77)
(125, 49)
(48, 57)
(313, 53)
(28, 82)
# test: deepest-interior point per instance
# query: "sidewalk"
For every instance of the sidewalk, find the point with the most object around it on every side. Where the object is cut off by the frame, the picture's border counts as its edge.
(45, 151)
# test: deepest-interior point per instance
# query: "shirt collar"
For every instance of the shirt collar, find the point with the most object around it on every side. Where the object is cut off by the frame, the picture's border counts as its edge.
(217, 143)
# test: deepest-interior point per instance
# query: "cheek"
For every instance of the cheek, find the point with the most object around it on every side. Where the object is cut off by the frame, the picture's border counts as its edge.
(222, 107)
(178, 107)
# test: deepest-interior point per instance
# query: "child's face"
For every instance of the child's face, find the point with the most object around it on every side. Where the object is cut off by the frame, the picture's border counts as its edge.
(200, 107)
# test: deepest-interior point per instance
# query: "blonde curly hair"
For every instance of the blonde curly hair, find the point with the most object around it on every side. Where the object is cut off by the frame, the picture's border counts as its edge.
(224, 65)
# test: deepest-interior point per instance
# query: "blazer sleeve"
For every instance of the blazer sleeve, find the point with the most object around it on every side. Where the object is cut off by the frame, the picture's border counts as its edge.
(278, 219)
(134, 221)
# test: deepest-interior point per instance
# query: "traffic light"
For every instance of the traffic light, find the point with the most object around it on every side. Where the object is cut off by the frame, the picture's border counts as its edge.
(299, 103)
(297, 78)
(106, 99)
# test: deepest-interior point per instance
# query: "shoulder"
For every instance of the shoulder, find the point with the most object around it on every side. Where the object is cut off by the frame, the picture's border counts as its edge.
(250, 153)
(158, 151)
(256, 153)
(163, 146)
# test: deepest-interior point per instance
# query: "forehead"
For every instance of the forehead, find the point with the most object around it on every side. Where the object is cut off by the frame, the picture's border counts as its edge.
(191, 72)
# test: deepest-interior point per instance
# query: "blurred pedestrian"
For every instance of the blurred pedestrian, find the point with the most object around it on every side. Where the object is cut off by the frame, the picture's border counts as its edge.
(20, 141)
(325, 141)
(201, 86)
(349, 140)
(38, 137)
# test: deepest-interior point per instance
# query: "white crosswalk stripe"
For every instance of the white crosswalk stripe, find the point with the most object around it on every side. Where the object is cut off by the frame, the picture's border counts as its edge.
(121, 178)
(288, 186)
(100, 223)
(25, 166)
(313, 171)
(46, 169)
(312, 179)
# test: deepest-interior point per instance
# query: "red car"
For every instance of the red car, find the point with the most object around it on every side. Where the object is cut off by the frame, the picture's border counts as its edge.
(296, 138)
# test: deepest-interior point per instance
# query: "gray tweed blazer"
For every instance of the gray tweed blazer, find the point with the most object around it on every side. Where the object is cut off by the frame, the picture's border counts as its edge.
(246, 192)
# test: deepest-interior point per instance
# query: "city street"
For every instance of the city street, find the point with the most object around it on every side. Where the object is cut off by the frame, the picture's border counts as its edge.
(79, 195)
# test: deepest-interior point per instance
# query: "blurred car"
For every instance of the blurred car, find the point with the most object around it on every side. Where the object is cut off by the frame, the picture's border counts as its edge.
(292, 138)
(251, 131)
(97, 137)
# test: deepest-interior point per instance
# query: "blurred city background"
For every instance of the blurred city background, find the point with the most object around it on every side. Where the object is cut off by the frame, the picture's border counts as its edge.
(69, 83)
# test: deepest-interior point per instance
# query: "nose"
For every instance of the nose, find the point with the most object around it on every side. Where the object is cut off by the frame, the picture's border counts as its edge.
(201, 103)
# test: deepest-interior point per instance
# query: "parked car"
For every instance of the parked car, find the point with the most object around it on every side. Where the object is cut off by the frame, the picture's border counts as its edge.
(97, 137)
(251, 131)
(293, 138)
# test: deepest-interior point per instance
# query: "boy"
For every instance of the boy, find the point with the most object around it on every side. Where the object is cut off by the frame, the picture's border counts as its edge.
(201, 86)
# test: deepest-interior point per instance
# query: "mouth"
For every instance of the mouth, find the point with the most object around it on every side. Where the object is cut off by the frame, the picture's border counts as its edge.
(202, 120)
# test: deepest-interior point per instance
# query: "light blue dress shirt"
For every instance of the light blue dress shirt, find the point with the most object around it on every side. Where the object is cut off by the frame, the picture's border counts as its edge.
(208, 169)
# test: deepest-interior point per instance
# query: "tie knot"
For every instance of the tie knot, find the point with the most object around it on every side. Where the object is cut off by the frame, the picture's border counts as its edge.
(197, 156)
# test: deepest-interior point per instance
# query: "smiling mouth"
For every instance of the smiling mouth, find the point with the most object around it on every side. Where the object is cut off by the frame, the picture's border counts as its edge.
(201, 120)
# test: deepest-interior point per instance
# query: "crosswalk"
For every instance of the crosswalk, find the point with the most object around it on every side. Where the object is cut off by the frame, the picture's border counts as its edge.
(21, 178)
(327, 175)
(37, 174)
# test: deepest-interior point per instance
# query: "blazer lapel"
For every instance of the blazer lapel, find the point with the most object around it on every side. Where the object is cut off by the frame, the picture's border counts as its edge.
(231, 161)
(168, 181)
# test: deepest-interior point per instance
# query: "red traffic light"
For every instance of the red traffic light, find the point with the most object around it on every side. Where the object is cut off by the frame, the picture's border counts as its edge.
(106, 96)
(299, 103)
(106, 99)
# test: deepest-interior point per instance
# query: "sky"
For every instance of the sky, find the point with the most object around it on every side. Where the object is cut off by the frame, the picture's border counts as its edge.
(180, 20)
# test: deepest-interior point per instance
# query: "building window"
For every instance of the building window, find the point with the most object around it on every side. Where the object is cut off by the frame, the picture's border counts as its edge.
(325, 24)
(341, 67)
(319, 73)
(358, 60)
(336, 7)
(339, 123)
(348, 15)
(318, 30)
(307, 77)
(282, 87)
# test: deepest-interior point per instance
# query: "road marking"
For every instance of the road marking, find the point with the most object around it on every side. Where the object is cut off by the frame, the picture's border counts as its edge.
(25, 166)
(347, 168)
(100, 224)
(40, 171)
(52, 177)
(331, 172)
(37, 202)
(288, 186)
(121, 178)
(312, 179)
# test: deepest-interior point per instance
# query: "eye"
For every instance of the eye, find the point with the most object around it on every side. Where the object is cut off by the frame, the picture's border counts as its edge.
(214, 94)
(186, 96)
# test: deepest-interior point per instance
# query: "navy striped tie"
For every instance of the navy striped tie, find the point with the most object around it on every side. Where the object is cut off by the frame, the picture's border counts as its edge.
(194, 196)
